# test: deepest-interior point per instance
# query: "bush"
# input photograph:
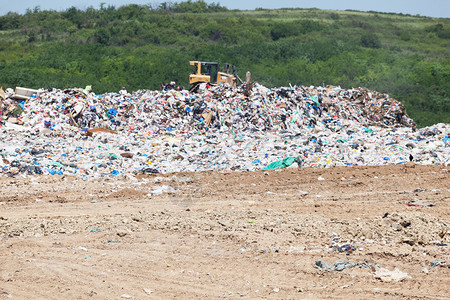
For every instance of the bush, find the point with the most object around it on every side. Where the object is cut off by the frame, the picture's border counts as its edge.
(102, 35)
(370, 40)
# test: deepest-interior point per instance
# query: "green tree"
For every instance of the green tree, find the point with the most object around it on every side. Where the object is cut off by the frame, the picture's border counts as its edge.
(370, 40)
(102, 35)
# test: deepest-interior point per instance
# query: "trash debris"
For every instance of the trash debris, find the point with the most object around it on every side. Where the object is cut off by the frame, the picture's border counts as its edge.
(5, 293)
(347, 248)
(2, 94)
(438, 262)
(112, 241)
(303, 193)
(24, 93)
(418, 203)
(386, 275)
(77, 132)
(441, 244)
(284, 163)
(340, 265)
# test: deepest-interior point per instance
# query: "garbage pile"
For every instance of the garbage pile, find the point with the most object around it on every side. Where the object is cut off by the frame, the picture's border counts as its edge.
(75, 131)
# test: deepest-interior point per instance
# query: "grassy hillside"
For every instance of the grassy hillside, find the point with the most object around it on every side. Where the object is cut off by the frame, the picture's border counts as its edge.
(142, 46)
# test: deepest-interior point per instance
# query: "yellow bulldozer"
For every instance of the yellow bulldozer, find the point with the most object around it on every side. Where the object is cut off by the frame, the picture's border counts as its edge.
(208, 72)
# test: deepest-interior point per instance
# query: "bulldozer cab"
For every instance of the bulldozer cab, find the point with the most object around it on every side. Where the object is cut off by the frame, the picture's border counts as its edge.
(210, 69)
(204, 72)
(208, 72)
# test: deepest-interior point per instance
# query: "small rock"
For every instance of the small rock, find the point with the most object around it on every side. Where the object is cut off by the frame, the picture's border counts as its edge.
(224, 224)
(409, 241)
(127, 155)
(148, 291)
(386, 275)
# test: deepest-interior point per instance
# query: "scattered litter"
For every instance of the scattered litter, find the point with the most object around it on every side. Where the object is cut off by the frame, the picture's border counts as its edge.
(418, 203)
(347, 248)
(340, 265)
(437, 262)
(440, 244)
(284, 163)
(6, 294)
(303, 193)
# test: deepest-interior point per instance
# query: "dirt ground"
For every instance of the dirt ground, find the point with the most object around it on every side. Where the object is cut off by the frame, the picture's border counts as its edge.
(214, 235)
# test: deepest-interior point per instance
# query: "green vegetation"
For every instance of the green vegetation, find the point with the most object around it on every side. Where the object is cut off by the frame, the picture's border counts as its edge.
(142, 46)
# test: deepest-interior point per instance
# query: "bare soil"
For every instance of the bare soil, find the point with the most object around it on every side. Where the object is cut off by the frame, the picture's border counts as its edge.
(229, 235)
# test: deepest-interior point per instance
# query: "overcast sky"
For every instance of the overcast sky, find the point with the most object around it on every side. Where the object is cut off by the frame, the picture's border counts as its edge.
(431, 8)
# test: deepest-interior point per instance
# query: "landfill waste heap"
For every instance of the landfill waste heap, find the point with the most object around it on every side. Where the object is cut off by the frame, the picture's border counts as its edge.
(75, 131)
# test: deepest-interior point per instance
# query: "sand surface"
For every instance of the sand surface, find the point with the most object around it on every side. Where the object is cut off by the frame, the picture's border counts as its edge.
(214, 235)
